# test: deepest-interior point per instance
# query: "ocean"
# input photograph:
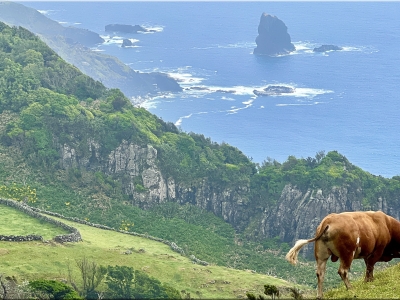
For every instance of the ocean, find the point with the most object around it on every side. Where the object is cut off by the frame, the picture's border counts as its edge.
(348, 100)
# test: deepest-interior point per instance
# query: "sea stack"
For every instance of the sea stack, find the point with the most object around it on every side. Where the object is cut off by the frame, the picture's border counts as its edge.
(273, 38)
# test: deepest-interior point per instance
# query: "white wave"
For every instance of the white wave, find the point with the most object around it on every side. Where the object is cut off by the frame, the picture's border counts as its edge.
(299, 104)
(248, 102)
(308, 47)
(152, 28)
(235, 110)
(192, 88)
(179, 122)
(109, 40)
(185, 79)
(47, 12)
(227, 98)
(243, 45)
(150, 102)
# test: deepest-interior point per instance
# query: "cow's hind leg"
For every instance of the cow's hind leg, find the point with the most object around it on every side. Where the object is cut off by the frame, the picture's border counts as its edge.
(322, 254)
(370, 263)
(345, 263)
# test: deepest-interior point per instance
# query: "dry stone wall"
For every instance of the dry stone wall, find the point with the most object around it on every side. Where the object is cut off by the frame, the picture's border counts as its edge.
(73, 236)
(172, 245)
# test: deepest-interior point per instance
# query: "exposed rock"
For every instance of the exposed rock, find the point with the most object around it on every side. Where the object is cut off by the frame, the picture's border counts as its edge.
(126, 43)
(125, 28)
(298, 214)
(275, 90)
(325, 48)
(82, 36)
(273, 38)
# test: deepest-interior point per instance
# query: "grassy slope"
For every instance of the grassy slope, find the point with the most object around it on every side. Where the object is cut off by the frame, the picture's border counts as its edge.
(385, 286)
(29, 260)
(12, 225)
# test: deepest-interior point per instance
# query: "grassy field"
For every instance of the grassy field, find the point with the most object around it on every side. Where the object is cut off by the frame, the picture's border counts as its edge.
(385, 286)
(32, 260)
(11, 224)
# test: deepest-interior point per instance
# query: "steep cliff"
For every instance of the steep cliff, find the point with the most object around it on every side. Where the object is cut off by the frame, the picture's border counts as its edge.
(138, 169)
(298, 213)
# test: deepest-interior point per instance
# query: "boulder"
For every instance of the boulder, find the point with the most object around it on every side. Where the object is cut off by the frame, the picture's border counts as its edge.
(126, 43)
(273, 38)
(325, 48)
(125, 28)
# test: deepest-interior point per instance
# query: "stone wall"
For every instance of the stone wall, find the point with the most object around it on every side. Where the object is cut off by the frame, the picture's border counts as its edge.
(173, 246)
(73, 236)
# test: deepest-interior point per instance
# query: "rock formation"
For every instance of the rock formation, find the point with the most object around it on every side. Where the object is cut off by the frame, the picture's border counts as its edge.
(325, 48)
(125, 28)
(273, 38)
(140, 164)
(275, 90)
(126, 43)
(298, 213)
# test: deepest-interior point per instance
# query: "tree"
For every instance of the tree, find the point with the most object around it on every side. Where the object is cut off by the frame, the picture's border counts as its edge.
(120, 282)
(92, 275)
(52, 289)
(271, 290)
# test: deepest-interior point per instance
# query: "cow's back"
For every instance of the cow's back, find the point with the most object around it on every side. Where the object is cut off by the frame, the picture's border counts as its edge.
(363, 231)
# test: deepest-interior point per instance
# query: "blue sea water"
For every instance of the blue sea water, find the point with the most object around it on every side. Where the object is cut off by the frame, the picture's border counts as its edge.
(347, 100)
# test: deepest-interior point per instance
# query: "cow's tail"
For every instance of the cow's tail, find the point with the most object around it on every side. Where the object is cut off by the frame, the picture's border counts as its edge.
(293, 253)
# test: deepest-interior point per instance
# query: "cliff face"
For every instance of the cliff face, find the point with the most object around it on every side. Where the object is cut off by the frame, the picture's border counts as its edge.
(298, 214)
(143, 180)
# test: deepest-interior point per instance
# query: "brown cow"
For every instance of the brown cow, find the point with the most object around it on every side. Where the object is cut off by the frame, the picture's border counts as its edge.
(372, 236)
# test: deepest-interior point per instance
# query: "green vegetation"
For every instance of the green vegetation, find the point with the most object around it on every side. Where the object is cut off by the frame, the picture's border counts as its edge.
(324, 172)
(153, 262)
(52, 289)
(46, 104)
(19, 193)
(385, 286)
(11, 224)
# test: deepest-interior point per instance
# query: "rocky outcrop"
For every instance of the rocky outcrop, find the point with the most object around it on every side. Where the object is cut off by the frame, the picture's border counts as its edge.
(148, 186)
(126, 43)
(275, 90)
(273, 38)
(125, 28)
(325, 48)
(81, 36)
(298, 213)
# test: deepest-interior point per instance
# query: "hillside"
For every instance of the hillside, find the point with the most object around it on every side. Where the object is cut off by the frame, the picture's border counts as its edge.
(73, 45)
(33, 260)
(385, 286)
(90, 154)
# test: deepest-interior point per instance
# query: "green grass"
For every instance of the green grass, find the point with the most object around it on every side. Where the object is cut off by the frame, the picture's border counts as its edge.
(11, 224)
(385, 286)
(33, 260)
